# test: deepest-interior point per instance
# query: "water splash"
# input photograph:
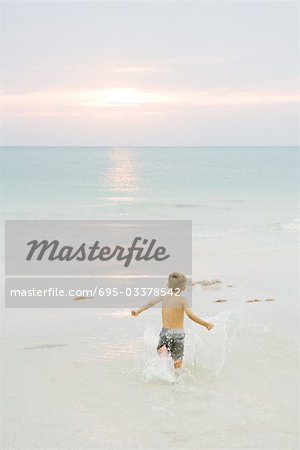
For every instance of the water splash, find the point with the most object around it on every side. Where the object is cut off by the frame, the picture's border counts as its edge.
(159, 369)
(205, 352)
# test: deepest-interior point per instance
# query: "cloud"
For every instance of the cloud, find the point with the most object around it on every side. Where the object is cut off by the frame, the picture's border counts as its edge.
(117, 100)
(137, 70)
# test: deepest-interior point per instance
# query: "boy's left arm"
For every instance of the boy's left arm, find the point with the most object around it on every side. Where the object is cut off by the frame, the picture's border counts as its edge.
(136, 312)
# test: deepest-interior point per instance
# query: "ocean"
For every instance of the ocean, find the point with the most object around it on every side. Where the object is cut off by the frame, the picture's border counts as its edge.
(90, 378)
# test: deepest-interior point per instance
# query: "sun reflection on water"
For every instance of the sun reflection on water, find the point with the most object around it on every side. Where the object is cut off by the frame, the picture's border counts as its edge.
(121, 175)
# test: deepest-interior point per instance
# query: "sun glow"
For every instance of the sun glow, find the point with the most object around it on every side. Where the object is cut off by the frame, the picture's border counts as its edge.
(114, 101)
(122, 96)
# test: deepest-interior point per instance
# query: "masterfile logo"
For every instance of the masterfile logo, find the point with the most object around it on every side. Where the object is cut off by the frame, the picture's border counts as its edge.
(140, 249)
(48, 263)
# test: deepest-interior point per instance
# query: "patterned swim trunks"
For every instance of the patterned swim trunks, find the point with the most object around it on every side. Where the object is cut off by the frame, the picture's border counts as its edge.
(173, 340)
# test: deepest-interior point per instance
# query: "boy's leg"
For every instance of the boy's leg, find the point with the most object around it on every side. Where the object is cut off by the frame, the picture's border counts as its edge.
(163, 351)
(177, 351)
(178, 364)
(162, 346)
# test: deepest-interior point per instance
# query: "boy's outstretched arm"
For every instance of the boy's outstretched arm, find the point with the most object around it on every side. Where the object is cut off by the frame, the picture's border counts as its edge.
(136, 312)
(195, 318)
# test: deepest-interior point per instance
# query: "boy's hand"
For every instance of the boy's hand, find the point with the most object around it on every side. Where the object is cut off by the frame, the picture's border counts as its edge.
(209, 326)
(134, 312)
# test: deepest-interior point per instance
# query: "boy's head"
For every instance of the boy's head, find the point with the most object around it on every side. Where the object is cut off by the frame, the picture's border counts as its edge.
(177, 281)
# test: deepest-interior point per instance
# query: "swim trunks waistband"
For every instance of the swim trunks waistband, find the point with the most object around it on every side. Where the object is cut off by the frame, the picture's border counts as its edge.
(172, 330)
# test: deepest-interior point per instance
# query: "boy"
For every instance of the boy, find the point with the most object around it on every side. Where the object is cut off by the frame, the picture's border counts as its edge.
(171, 337)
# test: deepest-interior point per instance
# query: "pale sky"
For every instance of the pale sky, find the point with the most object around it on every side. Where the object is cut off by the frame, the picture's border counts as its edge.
(154, 73)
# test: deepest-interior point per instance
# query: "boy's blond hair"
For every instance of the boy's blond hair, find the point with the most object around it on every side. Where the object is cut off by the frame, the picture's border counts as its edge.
(177, 280)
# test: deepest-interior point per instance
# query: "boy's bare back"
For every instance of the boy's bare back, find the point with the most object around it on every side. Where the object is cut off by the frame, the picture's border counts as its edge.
(173, 311)
(173, 305)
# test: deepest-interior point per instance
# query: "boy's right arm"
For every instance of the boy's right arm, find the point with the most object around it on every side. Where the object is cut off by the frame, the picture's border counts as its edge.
(195, 318)
(136, 312)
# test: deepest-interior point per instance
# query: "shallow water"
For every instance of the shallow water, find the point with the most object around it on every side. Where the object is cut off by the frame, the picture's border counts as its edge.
(95, 379)
(91, 378)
